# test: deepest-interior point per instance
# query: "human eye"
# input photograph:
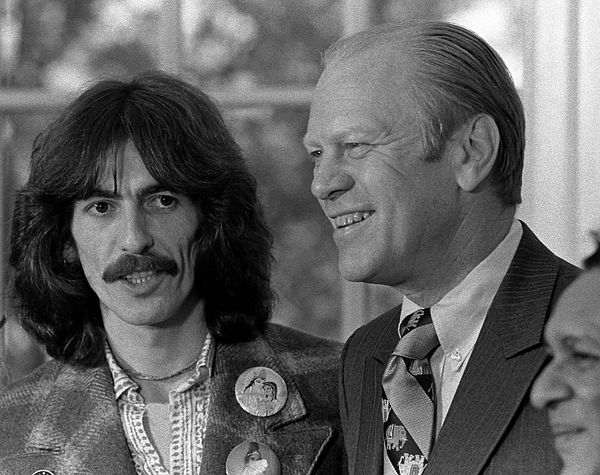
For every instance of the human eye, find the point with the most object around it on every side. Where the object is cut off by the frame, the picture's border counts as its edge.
(314, 155)
(351, 145)
(99, 208)
(162, 202)
(583, 356)
(355, 149)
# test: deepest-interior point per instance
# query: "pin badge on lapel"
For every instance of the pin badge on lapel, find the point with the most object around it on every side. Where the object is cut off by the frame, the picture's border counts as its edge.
(261, 391)
(43, 472)
(250, 458)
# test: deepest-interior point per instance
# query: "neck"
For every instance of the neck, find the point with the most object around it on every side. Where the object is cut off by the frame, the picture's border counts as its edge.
(477, 235)
(158, 349)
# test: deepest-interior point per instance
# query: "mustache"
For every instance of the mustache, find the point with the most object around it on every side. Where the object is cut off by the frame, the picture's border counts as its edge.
(130, 263)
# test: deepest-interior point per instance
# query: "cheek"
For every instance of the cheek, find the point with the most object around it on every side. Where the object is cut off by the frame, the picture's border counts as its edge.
(591, 397)
(91, 247)
(89, 262)
(586, 462)
(586, 401)
(189, 253)
(192, 248)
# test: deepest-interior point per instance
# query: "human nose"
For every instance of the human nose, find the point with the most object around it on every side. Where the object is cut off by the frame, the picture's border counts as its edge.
(550, 387)
(136, 237)
(330, 179)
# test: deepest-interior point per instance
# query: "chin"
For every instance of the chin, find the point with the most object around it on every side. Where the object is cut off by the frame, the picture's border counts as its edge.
(143, 320)
(352, 274)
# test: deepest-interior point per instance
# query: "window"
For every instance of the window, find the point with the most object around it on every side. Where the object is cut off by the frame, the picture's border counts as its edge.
(259, 59)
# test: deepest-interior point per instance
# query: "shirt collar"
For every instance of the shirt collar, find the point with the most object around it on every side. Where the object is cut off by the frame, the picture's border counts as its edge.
(202, 373)
(459, 315)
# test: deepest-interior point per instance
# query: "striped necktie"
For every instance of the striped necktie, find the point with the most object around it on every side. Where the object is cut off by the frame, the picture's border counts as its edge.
(408, 400)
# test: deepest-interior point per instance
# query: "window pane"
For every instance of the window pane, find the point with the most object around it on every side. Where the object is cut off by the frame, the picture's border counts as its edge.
(66, 43)
(305, 274)
(500, 22)
(249, 42)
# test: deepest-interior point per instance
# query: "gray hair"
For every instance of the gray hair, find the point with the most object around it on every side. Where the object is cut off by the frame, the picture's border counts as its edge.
(456, 75)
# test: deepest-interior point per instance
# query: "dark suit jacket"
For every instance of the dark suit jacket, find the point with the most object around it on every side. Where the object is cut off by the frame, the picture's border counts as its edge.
(490, 427)
(66, 419)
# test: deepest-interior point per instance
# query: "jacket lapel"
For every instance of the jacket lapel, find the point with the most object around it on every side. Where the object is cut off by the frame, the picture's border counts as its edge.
(369, 450)
(505, 359)
(80, 425)
(297, 446)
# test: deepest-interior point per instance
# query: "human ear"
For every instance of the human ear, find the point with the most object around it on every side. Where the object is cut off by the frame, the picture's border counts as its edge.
(70, 255)
(478, 141)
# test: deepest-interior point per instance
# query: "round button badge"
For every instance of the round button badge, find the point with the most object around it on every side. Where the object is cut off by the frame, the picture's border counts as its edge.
(252, 458)
(261, 391)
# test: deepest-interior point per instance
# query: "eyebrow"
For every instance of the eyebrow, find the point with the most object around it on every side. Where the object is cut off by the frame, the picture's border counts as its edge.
(145, 191)
(308, 142)
(363, 132)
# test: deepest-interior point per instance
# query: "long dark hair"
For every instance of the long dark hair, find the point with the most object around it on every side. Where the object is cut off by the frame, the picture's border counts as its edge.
(185, 146)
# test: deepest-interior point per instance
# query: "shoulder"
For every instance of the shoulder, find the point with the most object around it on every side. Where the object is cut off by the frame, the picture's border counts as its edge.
(31, 387)
(312, 362)
(534, 257)
(532, 250)
(567, 272)
(294, 345)
(22, 404)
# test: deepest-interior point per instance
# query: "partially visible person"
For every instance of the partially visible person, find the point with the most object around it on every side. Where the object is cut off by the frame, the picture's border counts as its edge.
(417, 136)
(568, 388)
(142, 263)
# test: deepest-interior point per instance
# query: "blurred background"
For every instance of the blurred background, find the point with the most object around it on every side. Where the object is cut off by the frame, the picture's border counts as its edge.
(259, 59)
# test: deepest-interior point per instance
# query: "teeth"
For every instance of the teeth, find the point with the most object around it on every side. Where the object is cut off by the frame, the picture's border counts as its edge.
(348, 219)
(140, 277)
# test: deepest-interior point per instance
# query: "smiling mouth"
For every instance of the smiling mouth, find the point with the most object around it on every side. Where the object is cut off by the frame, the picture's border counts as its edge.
(566, 431)
(566, 435)
(140, 277)
(346, 220)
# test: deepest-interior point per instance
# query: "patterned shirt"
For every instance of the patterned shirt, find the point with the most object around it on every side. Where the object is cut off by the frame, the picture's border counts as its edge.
(188, 410)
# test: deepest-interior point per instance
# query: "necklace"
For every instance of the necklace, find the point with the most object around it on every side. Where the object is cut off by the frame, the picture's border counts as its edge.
(150, 377)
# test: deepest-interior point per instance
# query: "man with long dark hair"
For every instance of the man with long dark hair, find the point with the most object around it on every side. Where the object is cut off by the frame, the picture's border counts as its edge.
(142, 263)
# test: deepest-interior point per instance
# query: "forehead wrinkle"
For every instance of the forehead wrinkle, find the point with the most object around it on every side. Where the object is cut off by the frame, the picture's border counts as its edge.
(388, 66)
(386, 101)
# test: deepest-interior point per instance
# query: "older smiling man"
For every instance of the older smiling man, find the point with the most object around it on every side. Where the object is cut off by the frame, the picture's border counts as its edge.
(417, 134)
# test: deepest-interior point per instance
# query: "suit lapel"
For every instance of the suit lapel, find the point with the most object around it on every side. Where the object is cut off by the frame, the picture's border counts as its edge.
(505, 359)
(80, 423)
(369, 450)
(229, 425)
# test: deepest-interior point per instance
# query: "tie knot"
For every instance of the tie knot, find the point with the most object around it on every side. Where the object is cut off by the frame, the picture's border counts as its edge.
(416, 319)
(418, 336)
